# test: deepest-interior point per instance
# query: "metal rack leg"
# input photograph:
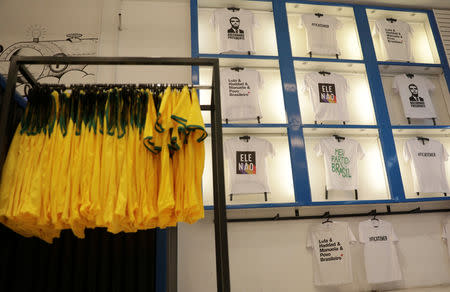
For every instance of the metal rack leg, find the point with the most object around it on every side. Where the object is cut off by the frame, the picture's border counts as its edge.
(4, 111)
(220, 216)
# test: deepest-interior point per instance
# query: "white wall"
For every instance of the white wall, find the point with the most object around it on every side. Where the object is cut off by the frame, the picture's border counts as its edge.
(271, 256)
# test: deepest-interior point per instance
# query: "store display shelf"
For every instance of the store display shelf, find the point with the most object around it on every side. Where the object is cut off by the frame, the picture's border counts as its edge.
(330, 203)
(256, 206)
(420, 127)
(256, 57)
(352, 202)
(333, 60)
(409, 64)
(401, 9)
(251, 125)
(427, 199)
(339, 126)
(315, 2)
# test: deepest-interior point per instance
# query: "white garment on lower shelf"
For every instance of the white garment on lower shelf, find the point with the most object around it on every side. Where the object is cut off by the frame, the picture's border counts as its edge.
(380, 252)
(330, 243)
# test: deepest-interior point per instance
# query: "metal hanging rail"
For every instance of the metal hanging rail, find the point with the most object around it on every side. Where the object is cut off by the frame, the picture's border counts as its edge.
(327, 214)
(220, 221)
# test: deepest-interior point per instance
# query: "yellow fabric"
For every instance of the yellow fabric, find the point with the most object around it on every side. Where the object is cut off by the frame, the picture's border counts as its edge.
(104, 158)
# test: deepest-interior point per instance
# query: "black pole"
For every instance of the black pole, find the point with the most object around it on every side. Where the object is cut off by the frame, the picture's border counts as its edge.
(4, 111)
(278, 218)
(220, 216)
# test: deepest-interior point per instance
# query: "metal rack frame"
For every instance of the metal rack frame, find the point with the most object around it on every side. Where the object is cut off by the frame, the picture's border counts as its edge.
(17, 64)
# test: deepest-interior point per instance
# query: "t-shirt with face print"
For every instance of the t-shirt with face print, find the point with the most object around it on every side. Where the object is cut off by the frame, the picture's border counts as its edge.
(328, 93)
(234, 30)
(341, 162)
(247, 164)
(427, 159)
(330, 244)
(395, 38)
(415, 95)
(380, 252)
(321, 34)
(239, 94)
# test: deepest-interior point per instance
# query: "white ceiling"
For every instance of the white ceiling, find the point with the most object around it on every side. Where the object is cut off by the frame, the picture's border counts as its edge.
(440, 4)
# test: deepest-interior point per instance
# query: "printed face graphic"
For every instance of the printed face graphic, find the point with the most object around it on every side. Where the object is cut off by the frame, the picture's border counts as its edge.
(413, 89)
(235, 22)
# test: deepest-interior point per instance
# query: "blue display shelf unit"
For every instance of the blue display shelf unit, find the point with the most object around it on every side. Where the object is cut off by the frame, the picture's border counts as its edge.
(294, 123)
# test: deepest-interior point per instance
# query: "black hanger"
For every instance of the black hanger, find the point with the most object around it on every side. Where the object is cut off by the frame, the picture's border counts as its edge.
(409, 75)
(423, 139)
(327, 215)
(246, 137)
(338, 138)
(237, 69)
(324, 73)
(318, 14)
(233, 8)
(374, 212)
(391, 20)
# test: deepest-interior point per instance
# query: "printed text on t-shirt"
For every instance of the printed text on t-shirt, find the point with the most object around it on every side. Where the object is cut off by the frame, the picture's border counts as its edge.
(237, 87)
(378, 238)
(327, 93)
(339, 163)
(330, 250)
(245, 162)
(393, 36)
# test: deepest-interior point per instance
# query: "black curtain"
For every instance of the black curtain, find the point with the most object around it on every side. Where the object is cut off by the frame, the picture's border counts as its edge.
(100, 262)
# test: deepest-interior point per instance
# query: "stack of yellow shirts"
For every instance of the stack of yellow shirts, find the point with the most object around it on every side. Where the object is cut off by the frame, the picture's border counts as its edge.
(123, 158)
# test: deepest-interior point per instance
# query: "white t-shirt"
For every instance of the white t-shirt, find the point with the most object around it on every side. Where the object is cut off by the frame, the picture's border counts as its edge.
(395, 39)
(234, 30)
(321, 32)
(247, 164)
(239, 94)
(341, 162)
(380, 253)
(446, 233)
(427, 165)
(332, 262)
(328, 95)
(415, 96)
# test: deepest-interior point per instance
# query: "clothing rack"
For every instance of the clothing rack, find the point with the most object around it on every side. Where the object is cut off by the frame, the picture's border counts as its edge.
(17, 64)
(327, 214)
